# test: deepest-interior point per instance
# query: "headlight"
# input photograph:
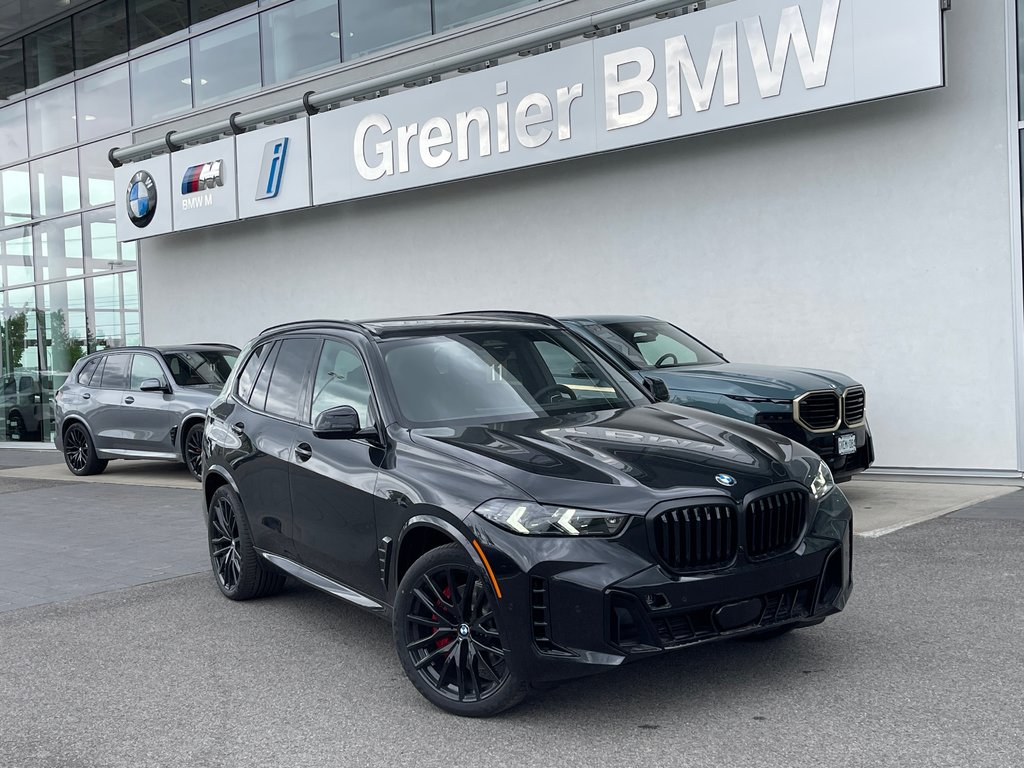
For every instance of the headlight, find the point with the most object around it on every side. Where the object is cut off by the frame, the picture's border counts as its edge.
(531, 518)
(745, 399)
(822, 481)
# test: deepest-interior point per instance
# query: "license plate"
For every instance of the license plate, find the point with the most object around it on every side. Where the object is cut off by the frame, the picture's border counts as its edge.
(847, 444)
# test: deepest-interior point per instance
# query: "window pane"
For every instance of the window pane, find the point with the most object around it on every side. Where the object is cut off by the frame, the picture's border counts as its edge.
(207, 9)
(85, 375)
(104, 103)
(100, 32)
(247, 377)
(368, 26)
(58, 248)
(19, 363)
(258, 396)
(16, 257)
(226, 63)
(13, 134)
(96, 172)
(451, 13)
(55, 188)
(285, 391)
(161, 85)
(48, 54)
(149, 20)
(102, 252)
(298, 38)
(64, 342)
(341, 380)
(51, 120)
(12, 69)
(115, 372)
(145, 367)
(115, 301)
(15, 201)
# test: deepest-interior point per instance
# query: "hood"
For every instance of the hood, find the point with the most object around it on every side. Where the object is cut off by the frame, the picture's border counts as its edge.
(771, 381)
(626, 460)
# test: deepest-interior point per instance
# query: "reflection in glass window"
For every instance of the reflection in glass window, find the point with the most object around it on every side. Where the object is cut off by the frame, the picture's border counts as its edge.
(48, 53)
(292, 363)
(102, 252)
(19, 363)
(115, 303)
(62, 317)
(12, 69)
(226, 63)
(145, 367)
(55, 188)
(58, 248)
(15, 200)
(16, 257)
(51, 120)
(100, 32)
(104, 103)
(341, 380)
(299, 38)
(96, 172)
(149, 20)
(13, 134)
(369, 25)
(451, 13)
(207, 9)
(161, 85)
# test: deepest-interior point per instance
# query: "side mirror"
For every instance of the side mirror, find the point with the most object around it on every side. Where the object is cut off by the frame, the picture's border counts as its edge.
(340, 423)
(658, 389)
(583, 370)
(154, 385)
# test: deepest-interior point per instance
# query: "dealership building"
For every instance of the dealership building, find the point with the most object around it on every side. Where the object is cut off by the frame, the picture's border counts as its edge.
(814, 183)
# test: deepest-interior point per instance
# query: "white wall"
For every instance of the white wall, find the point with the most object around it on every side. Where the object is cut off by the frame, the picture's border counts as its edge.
(873, 240)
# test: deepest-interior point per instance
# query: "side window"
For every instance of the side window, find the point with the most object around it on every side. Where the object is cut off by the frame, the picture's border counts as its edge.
(258, 396)
(115, 372)
(145, 367)
(85, 377)
(654, 346)
(247, 376)
(10, 386)
(569, 371)
(341, 380)
(290, 368)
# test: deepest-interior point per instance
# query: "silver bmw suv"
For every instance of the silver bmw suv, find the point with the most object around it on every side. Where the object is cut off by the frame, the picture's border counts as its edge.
(140, 403)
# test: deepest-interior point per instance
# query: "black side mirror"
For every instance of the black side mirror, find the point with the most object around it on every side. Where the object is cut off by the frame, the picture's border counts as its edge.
(340, 423)
(583, 370)
(154, 385)
(658, 389)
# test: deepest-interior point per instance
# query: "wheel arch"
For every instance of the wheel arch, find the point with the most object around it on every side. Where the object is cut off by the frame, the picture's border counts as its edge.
(75, 419)
(186, 423)
(216, 478)
(421, 534)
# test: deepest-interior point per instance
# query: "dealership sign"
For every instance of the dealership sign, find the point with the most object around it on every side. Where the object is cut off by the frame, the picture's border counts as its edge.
(739, 63)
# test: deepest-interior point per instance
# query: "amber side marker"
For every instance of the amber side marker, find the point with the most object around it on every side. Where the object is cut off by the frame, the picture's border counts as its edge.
(487, 565)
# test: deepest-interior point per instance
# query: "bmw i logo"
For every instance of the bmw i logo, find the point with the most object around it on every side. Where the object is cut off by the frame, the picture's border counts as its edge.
(726, 480)
(141, 199)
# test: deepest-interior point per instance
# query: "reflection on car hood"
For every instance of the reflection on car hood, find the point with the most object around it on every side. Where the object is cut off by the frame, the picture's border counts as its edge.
(626, 459)
(770, 381)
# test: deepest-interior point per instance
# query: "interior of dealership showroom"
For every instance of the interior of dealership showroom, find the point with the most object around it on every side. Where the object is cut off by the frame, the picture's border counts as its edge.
(816, 184)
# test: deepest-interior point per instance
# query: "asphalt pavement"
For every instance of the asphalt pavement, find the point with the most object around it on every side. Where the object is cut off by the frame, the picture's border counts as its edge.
(924, 668)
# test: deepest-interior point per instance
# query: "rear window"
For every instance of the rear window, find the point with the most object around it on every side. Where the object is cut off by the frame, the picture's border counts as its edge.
(85, 377)
(290, 369)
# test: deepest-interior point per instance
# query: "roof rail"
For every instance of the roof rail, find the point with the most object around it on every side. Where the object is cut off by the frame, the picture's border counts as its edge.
(295, 325)
(511, 313)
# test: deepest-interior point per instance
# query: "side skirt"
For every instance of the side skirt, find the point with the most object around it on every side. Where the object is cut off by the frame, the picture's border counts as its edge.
(321, 582)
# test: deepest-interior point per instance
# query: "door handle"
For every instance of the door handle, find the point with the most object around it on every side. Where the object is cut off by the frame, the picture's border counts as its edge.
(129, 399)
(238, 427)
(303, 451)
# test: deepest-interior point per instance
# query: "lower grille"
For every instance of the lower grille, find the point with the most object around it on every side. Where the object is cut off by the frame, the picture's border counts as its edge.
(541, 616)
(775, 522)
(854, 401)
(697, 538)
(817, 411)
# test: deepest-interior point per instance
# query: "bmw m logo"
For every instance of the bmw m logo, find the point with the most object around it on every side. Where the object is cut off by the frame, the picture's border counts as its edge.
(726, 480)
(141, 199)
(200, 177)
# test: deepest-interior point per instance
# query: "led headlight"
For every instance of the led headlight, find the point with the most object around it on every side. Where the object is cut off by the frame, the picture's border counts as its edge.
(531, 518)
(822, 482)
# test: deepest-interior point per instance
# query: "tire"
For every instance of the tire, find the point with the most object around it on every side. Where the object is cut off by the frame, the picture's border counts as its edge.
(16, 427)
(452, 651)
(192, 450)
(80, 452)
(239, 571)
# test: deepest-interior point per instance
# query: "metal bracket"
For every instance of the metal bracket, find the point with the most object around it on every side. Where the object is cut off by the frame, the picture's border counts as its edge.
(945, 5)
(306, 105)
(423, 81)
(605, 31)
(541, 49)
(233, 122)
(113, 160)
(171, 146)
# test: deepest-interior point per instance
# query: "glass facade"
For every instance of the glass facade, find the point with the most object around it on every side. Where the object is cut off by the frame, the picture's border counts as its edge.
(67, 287)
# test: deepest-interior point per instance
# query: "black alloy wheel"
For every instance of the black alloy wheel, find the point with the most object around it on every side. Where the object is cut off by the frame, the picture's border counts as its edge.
(448, 639)
(193, 450)
(240, 573)
(80, 453)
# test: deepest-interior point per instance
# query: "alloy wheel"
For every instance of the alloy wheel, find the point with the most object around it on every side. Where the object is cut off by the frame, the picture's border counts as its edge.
(76, 448)
(224, 544)
(194, 451)
(454, 641)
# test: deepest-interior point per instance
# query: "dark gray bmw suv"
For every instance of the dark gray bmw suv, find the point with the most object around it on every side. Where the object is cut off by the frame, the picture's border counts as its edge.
(140, 403)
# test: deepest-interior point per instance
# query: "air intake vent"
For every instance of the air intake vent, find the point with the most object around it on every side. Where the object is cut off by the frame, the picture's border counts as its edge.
(775, 523)
(697, 538)
(854, 400)
(542, 618)
(817, 411)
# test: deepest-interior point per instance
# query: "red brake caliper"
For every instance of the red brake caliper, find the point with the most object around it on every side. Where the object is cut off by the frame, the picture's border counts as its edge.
(442, 641)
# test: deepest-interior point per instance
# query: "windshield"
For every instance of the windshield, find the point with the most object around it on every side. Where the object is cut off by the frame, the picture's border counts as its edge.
(653, 344)
(480, 377)
(199, 369)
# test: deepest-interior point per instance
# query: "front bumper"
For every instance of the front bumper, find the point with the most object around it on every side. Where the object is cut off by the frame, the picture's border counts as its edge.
(574, 607)
(825, 444)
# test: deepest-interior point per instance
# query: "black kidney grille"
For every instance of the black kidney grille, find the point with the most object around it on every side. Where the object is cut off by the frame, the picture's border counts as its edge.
(819, 410)
(853, 405)
(775, 522)
(699, 537)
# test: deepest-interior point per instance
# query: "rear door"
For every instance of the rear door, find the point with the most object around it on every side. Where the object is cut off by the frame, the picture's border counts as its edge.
(148, 416)
(104, 413)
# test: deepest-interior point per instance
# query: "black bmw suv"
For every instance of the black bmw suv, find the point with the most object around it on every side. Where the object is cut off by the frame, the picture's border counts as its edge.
(511, 501)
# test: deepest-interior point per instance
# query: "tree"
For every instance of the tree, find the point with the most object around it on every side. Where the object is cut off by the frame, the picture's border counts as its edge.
(12, 340)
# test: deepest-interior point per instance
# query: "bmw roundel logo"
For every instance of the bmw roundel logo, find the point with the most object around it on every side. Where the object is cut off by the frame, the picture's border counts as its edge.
(141, 199)
(724, 479)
